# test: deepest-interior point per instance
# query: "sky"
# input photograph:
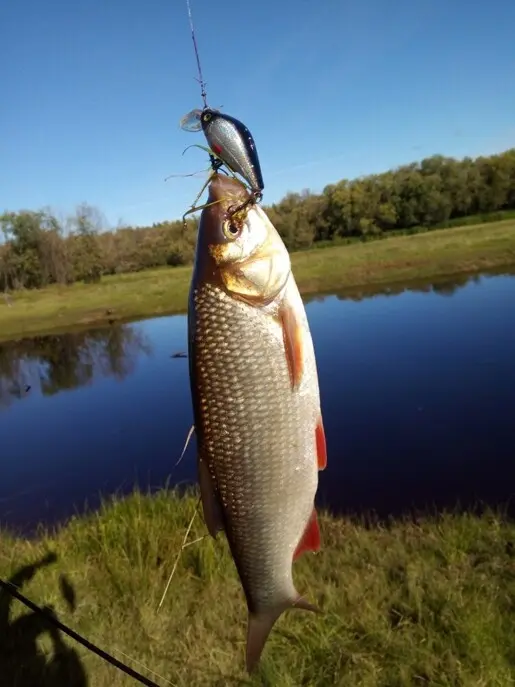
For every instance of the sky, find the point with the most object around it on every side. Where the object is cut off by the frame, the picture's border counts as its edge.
(92, 92)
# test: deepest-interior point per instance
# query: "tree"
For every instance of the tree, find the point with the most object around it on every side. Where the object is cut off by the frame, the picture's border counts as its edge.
(437, 191)
(87, 257)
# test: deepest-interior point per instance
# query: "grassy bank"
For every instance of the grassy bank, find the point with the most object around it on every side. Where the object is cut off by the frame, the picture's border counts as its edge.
(403, 258)
(428, 603)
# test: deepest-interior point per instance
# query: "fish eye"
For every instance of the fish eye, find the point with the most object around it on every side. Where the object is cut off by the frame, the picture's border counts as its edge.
(231, 230)
(206, 116)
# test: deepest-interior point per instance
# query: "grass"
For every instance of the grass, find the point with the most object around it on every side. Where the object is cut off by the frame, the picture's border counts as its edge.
(425, 603)
(164, 291)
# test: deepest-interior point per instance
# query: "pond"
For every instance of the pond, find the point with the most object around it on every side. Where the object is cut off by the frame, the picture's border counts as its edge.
(418, 400)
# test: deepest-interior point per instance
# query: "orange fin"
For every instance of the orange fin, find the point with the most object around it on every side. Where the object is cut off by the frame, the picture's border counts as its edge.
(321, 445)
(293, 343)
(210, 504)
(310, 540)
(261, 624)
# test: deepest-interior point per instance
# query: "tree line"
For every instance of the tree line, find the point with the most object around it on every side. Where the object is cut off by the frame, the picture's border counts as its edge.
(39, 249)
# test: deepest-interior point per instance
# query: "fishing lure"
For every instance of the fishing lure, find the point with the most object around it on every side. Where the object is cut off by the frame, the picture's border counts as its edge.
(230, 141)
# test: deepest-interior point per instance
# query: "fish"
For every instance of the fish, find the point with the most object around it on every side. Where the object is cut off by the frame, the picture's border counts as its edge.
(256, 405)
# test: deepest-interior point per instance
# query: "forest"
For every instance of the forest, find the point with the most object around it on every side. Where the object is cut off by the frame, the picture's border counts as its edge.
(37, 248)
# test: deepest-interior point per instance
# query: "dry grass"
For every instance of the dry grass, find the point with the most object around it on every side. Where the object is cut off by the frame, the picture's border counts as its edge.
(410, 604)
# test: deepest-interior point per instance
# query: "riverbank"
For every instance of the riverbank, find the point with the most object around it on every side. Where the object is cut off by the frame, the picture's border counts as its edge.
(164, 291)
(425, 603)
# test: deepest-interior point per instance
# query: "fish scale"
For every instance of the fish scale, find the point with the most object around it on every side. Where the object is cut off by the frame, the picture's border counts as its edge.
(268, 429)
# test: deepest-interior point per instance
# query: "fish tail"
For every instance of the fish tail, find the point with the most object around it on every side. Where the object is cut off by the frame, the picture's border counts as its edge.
(260, 625)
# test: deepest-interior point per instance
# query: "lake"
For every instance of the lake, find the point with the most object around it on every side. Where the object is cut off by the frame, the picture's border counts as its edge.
(418, 400)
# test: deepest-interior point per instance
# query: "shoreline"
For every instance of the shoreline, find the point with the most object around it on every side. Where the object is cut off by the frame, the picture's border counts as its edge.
(365, 267)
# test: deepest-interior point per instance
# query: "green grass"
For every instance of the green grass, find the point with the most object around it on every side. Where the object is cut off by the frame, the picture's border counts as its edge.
(426, 603)
(164, 291)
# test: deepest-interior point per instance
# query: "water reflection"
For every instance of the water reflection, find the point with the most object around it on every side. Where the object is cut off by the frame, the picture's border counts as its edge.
(417, 384)
(53, 363)
(50, 364)
(446, 285)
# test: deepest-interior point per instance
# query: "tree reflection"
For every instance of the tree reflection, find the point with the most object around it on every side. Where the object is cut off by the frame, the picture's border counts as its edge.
(444, 286)
(50, 364)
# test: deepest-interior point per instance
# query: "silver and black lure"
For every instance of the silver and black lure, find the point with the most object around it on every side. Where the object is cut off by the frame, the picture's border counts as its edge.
(232, 143)
(227, 137)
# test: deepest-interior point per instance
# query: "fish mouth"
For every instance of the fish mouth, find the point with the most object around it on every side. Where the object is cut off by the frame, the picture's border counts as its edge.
(256, 273)
(227, 192)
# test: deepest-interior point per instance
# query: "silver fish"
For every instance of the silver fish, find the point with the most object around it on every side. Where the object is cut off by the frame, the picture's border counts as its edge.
(256, 404)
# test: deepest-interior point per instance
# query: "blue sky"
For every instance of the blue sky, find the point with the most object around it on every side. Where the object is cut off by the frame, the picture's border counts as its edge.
(93, 91)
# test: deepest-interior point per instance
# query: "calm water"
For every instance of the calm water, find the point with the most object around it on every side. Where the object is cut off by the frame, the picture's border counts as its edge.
(418, 398)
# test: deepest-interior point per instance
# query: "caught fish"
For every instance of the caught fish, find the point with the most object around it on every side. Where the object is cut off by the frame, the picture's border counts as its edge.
(256, 404)
(232, 142)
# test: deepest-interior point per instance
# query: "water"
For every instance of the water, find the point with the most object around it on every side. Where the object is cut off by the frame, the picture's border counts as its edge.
(418, 399)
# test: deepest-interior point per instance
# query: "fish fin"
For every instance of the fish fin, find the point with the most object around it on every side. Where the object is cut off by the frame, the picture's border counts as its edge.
(293, 343)
(321, 444)
(210, 504)
(260, 625)
(310, 540)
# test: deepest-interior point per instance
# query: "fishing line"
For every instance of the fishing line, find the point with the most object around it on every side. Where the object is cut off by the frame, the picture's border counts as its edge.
(13, 591)
(200, 79)
(190, 434)
(190, 174)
